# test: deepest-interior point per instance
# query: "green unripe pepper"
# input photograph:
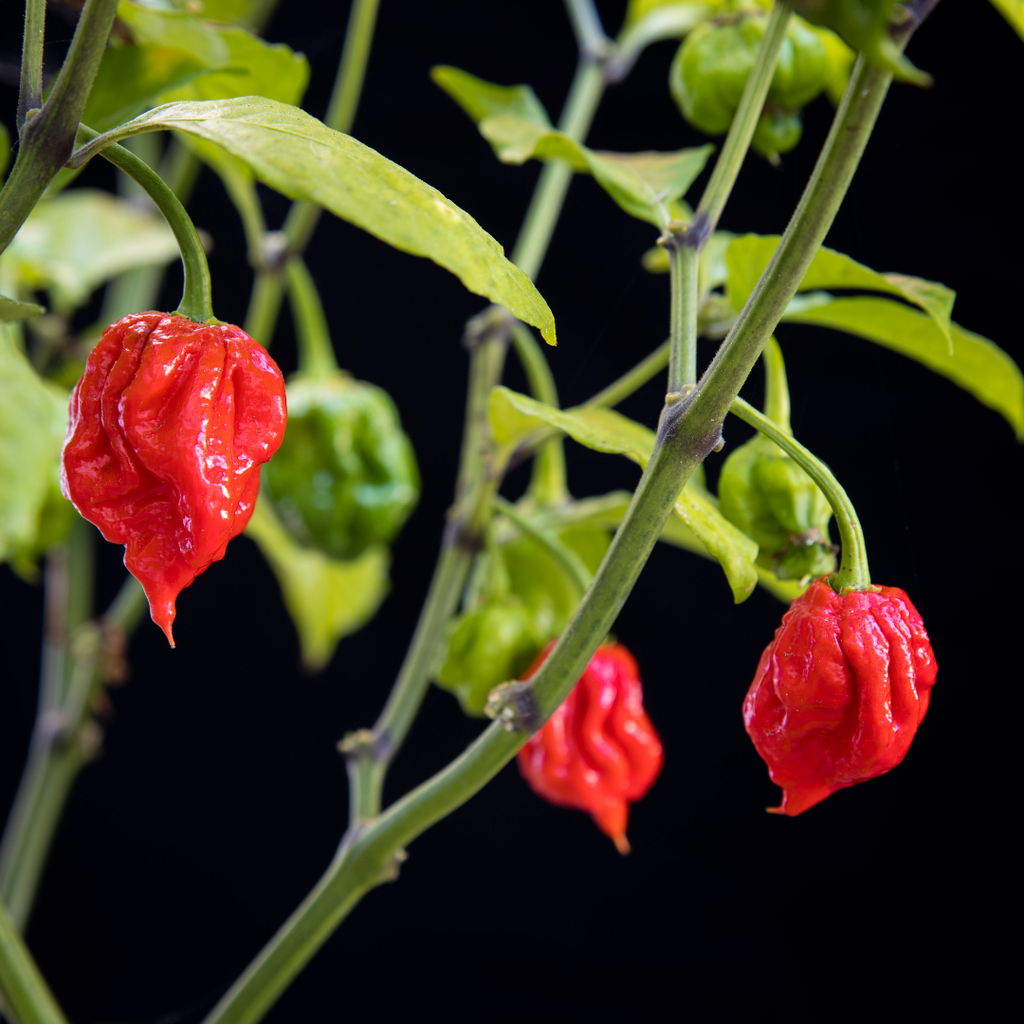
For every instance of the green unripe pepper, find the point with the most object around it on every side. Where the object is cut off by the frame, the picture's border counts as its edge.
(711, 68)
(490, 645)
(764, 493)
(345, 476)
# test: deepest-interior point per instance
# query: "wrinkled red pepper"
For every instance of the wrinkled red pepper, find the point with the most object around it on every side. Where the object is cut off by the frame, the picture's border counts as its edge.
(840, 691)
(598, 752)
(169, 426)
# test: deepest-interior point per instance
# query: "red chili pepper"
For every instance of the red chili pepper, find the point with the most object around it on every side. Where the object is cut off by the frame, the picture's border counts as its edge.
(598, 752)
(169, 425)
(840, 691)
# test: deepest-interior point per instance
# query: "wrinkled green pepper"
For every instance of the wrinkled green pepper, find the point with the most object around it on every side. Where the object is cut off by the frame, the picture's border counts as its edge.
(345, 477)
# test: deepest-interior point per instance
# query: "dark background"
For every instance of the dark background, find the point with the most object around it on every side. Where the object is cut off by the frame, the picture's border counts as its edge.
(219, 797)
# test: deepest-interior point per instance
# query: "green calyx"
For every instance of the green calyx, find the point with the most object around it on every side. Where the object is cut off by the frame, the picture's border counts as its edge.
(711, 68)
(345, 477)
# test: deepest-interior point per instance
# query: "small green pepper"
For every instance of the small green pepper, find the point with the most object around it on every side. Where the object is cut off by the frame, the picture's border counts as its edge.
(345, 477)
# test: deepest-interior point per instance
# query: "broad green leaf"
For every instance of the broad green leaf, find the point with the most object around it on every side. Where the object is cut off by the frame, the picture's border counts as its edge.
(33, 421)
(75, 241)
(11, 309)
(512, 119)
(977, 364)
(1013, 12)
(253, 68)
(179, 30)
(749, 255)
(246, 13)
(303, 159)
(514, 417)
(131, 78)
(327, 599)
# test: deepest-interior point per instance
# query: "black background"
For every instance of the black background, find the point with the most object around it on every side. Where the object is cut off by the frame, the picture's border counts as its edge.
(219, 797)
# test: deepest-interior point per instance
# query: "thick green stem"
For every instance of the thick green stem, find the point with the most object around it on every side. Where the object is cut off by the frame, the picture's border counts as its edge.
(316, 353)
(737, 142)
(196, 300)
(30, 92)
(853, 571)
(26, 998)
(48, 136)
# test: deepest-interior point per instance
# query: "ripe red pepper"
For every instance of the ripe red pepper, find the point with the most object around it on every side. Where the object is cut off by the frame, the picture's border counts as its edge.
(169, 426)
(598, 752)
(840, 691)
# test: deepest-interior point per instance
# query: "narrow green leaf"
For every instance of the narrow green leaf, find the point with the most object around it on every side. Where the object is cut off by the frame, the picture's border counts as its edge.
(480, 99)
(1013, 12)
(75, 241)
(749, 255)
(304, 159)
(326, 598)
(515, 417)
(977, 364)
(11, 309)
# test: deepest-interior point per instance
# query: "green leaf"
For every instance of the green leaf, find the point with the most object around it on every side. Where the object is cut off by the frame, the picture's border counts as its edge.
(304, 159)
(327, 598)
(245, 13)
(131, 78)
(749, 255)
(1013, 12)
(33, 421)
(179, 30)
(11, 309)
(512, 119)
(75, 241)
(977, 364)
(515, 417)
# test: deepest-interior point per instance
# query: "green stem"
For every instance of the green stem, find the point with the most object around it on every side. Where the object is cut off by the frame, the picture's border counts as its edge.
(26, 998)
(30, 92)
(737, 142)
(264, 306)
(196, 301)
(682, 259)
(632, 380)
(853, 571)
(562, 553)
(689, 429)
(47, 138)
(316, 353)
(776, 389)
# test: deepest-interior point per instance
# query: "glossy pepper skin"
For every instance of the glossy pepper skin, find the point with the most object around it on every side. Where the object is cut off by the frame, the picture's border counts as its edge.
(598, 752)
(170, 424)
(345, 477)
(840, 691)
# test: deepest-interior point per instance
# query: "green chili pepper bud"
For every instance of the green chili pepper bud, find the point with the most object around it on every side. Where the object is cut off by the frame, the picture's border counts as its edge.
(711, 68)
(768, 496)
(487, 646)
(345, 477)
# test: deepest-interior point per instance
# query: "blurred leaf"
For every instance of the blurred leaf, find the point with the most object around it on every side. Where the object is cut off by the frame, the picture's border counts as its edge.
(304, 159)
(75, 241)
(839, 59)
(179, 30)
(1013, 12)
(977, 364)
(33, 421)
(515, 417)
(749, 255)
(11, 309)
(650, 21)
(327, 598)
(246, 13)
(512, 119)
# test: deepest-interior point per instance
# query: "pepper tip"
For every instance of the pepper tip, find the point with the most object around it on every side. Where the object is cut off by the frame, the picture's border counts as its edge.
(622, 844)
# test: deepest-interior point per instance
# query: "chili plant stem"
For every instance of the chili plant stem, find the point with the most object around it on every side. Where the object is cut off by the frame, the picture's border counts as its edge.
(316, 353)
(682, 258)
(26, 998)
(689, 428)
(48, 136)
(196, 301)
(30, 91)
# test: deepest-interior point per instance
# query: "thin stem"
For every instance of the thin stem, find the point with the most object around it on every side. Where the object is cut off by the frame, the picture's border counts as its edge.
(737, 142)
(853, 571)
(264, 305)
(776, 389)
(562, 553)
(196, 301)
(48, 137)
(632, 380)
(316, 353)
(682, 259)
(30, 92)
(590, 34)
(26, 998)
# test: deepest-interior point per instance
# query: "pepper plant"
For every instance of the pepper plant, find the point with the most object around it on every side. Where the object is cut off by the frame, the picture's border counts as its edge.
(159, 107)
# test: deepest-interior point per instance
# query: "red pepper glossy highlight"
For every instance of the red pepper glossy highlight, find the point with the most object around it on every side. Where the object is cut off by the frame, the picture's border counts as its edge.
(840, 691)
(169, 426)
(598, 752)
